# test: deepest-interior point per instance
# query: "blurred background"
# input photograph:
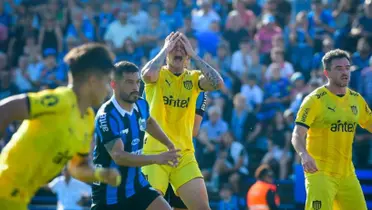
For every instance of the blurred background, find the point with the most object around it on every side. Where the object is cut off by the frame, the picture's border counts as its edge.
(268, 52)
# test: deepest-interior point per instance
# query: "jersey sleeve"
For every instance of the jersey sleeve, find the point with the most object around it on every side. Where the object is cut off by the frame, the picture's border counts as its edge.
(107, 128)
(46, 102)
(201, 103)
(307, 112)
(87, 143)
(365, 120)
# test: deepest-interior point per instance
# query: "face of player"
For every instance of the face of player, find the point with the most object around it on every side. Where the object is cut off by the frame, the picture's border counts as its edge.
(127, 88)
(100, 87)
(339, 74)
(177, 57)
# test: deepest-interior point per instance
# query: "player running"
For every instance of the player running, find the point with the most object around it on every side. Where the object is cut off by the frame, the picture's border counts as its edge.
(57, 129)
(329, 117)
(172, 91)
(120, 127)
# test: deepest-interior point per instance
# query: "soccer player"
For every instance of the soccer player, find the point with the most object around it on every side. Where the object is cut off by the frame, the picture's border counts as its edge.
(120, 129)
(57, 129)
(172, 91)
(327, 119)
(173, 200)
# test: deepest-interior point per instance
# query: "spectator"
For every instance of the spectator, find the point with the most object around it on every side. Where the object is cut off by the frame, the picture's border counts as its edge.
(22, 77)
(50, 35)
(71, 193)
(223, 58)
(104, 19)
(52, 75)
(7, 88)
(298, 84)
(228, 200)
(241, 59)
(263, 193)
(246, 17)
(252, 93)
(231, 164)
(138, 17)
(363, 24)
(277, 57)
(130, 52)
(122, 27)
(365, 82)
(327, 45)
(204, 17)
(81, 28)
(170, 16)
(361, 57)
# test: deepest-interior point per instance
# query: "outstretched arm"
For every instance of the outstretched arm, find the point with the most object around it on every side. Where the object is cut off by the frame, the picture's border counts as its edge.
(12, 109)
(150, 72)
(155, 131)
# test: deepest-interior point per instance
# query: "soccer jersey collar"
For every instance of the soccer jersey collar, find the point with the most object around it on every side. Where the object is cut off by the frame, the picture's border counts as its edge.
(336, 96)
(120, 109)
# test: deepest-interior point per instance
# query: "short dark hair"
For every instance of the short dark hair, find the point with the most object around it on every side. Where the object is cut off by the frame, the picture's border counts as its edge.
(263, 171)
(124, 67)
(332, 55)
(89, 58)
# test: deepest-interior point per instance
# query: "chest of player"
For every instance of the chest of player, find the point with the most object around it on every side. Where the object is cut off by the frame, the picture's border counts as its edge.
(178, 91)
(341, 115)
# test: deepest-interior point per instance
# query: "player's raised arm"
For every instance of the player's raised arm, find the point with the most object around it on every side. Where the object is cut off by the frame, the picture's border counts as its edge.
(305, 117)
(155, 131)
(211, 79)
(81, 168)
(150, 72)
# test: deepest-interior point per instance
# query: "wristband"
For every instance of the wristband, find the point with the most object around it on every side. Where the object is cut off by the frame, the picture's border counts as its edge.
(98, 174)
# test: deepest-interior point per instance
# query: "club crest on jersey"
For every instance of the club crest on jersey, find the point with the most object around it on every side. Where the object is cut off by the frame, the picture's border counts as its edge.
(142, 124)
(317, 205)
(49, 100)
(354, 109)
(188, 84)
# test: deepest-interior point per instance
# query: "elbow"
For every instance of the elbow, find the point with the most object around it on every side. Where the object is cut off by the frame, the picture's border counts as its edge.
(148, 76)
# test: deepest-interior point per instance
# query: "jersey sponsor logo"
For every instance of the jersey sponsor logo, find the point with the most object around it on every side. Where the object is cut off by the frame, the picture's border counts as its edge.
(354, 109)
(137, 152)
(142, 124)
(340, 126)
(332, 109)
(353, 93)
(62, 158)
(181, 103)
(49, 100)
(103, 122)
(188, 84)
(169, 83)
(319, 95)
(135, 141)
(317, 205)
(15, 192)
(305, 114)
(125, 131)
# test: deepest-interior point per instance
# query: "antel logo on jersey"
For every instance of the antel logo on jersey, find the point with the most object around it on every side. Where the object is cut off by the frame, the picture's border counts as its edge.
(340, 126)
(103, 122)
(135, 141)
(176, 102)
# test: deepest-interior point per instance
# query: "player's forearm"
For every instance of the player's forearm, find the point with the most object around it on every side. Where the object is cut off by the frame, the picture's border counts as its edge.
(83, 172)
(132, 160)
(152, 68)
(211, 74)
(299, 142)
(155, 131)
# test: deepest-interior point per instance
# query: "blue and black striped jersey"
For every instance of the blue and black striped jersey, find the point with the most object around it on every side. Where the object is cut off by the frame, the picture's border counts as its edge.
(111, 123)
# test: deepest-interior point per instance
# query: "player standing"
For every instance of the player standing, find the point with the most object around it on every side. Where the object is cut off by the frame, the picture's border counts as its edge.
(120, 127)
(57, 129)
(328, 118)
(172, 91)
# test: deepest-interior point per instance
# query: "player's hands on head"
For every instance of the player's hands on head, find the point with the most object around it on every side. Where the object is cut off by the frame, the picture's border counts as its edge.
(110, 176)
(308, 163)
(171, 41)
(188, 47)
(168, 158)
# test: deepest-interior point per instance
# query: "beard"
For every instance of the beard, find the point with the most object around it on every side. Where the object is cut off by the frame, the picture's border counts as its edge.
(129, 98)
(340, 83)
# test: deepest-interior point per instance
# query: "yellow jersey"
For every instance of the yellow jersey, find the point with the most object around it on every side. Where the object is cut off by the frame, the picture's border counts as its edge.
(172, 102)
(332, 121)
(43, 144)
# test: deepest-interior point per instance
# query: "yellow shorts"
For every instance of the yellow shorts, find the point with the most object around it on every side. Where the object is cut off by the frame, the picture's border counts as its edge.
(12, 205)
(159, 176)
(329, 193)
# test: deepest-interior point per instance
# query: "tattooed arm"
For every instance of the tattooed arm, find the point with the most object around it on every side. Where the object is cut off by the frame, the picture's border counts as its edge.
(211, 79)
(150, 72)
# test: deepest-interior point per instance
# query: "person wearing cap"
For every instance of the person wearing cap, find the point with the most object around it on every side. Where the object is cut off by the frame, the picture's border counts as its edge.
(263, 195)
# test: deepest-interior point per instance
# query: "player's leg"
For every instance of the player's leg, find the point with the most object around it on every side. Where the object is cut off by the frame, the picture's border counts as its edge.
(13, 205)
(175, 201)
(157, 176)
(188, 183)
(321, 191)
(147, 199)
(350, 195)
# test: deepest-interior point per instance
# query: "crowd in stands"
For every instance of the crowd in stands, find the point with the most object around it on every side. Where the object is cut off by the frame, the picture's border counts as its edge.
(267, 51)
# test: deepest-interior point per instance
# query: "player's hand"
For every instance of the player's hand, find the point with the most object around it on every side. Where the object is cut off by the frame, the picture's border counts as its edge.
(110, 176)
(171, 41)
(308, 163)
(171, 147)
(168, 158)
(187, 45)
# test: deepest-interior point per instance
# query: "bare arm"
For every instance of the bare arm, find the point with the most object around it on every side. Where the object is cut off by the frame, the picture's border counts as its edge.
(299, 139)
(197, 122)
(155, 131)
(13, 108)
(81, 169)
(150, 72)
(211, 79)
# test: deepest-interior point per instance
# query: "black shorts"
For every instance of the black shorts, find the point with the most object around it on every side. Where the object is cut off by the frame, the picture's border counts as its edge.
(173, 200)
(139, 201)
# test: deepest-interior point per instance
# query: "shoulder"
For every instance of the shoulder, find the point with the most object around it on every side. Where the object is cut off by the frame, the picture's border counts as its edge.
(104, 111)
(142, 103)
(317, 94)
(354, 94)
